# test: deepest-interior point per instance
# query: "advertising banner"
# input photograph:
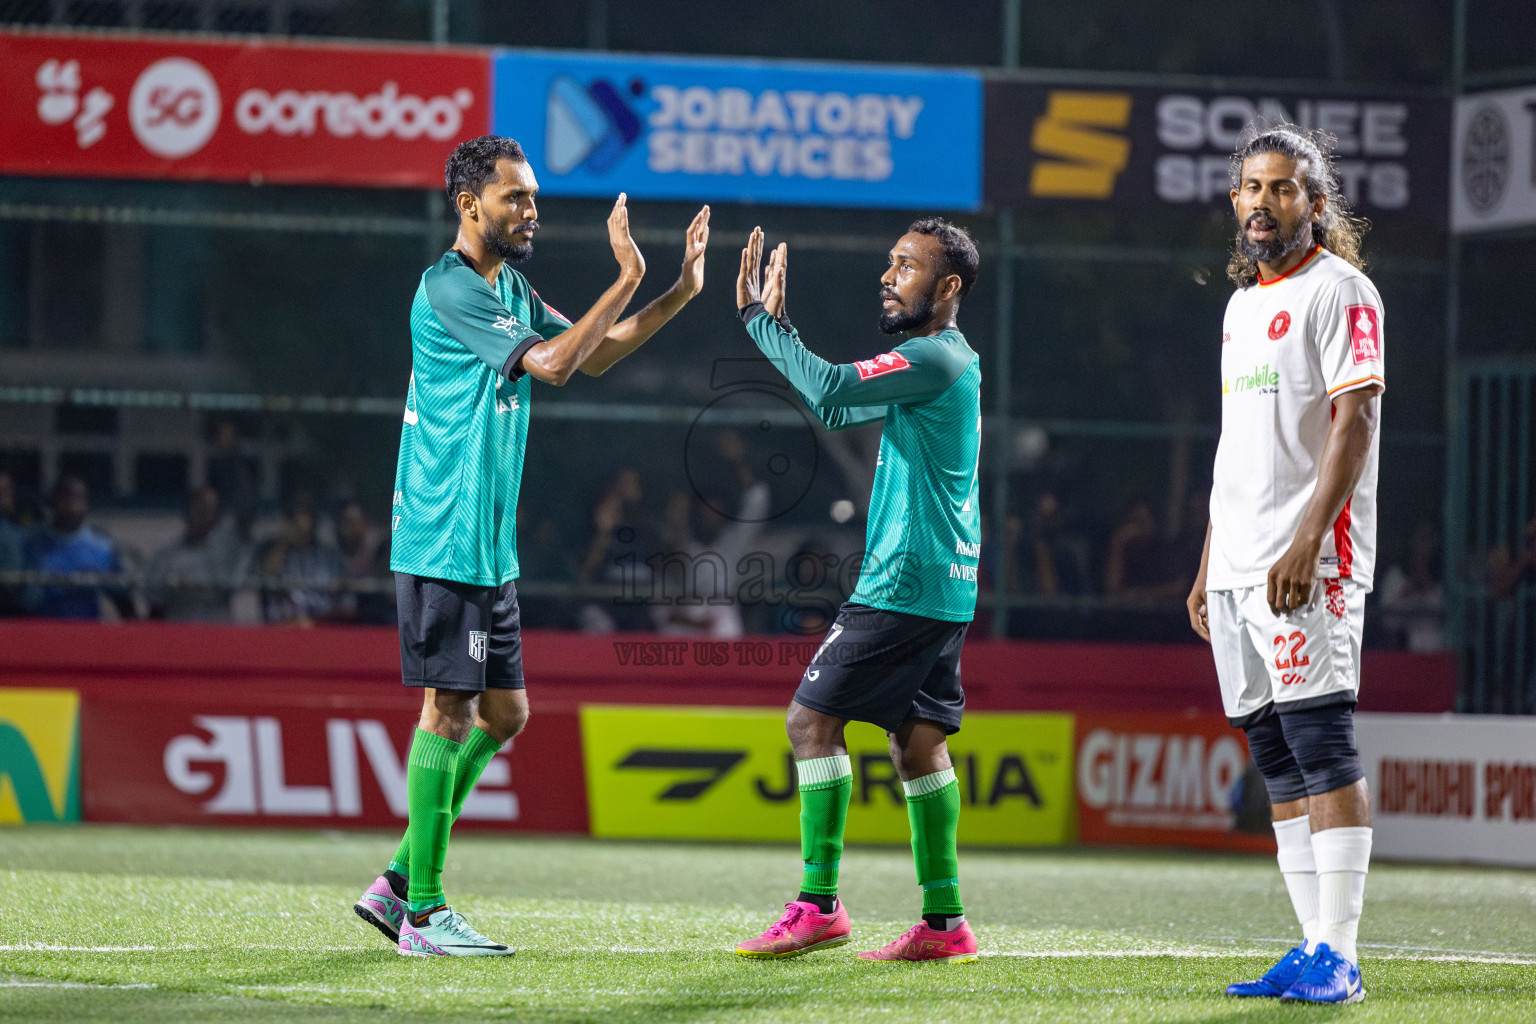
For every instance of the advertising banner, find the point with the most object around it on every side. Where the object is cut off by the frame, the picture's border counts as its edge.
(1451, 787)
(747, 131)
(1169, 780)
(122, 107)
(1493, 164)
(307, 763)
(1150, 148)
(39, 756)
(728, 773)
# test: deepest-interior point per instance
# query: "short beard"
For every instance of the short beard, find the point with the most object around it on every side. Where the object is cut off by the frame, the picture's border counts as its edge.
(901, 320)
(1278, 247)
(500, 243)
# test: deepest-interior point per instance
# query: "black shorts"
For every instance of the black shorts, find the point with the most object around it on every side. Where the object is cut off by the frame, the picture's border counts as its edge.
(457, 636)
(886, 667)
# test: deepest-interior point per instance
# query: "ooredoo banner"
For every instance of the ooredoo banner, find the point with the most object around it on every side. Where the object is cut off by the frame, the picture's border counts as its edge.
(728, 773)
(1169, 780)
(779, 132)
(1451, 787)
(304, 762)
(128, 107)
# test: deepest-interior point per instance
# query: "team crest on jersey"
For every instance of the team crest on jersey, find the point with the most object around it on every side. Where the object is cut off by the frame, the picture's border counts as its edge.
(505, 323)
(1279, 325)
(890, 362)
(1364, 333)
(477, 640)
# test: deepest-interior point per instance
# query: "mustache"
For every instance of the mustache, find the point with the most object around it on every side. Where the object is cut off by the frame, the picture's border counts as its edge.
(890, 295)
(530, 227)
(1260, 219)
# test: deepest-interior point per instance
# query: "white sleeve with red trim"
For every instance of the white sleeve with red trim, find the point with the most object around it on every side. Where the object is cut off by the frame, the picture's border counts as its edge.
(1350, 338)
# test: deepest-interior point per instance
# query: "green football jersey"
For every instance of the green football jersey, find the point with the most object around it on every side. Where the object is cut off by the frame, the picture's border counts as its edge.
(923, 541)
(466, 423)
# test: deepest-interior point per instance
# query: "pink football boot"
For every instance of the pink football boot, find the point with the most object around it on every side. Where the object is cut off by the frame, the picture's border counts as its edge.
(922, 943)
(802, 929)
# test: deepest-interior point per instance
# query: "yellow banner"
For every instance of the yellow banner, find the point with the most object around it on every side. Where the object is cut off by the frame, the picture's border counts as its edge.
(656, 772)
(39, 759)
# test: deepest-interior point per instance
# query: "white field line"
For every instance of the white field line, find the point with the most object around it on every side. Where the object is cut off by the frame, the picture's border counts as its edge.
(1399, 952)
(66, 984)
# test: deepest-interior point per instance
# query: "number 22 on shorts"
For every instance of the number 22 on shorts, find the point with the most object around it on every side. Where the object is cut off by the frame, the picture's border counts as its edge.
(1288, 656)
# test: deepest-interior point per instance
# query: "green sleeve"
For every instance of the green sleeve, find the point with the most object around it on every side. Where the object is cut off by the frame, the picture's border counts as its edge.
(542, 317)
(915, 371)
(473, 316)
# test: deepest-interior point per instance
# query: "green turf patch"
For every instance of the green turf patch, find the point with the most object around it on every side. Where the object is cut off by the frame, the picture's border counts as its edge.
(171, 925)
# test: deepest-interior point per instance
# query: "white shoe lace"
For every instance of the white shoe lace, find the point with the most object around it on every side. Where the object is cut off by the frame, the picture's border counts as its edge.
(461, 928)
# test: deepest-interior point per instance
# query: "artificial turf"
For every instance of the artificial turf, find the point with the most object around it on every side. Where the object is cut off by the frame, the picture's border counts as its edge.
(130, 924)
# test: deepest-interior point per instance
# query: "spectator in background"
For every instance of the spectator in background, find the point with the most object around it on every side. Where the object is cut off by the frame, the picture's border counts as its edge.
(230, 474)
(365, 550)
(191, 580)
(299, 571)
(1057, 556)
(1139, 564)
(622, 540)
(68, 545)
(1412, 598)
(13, 540)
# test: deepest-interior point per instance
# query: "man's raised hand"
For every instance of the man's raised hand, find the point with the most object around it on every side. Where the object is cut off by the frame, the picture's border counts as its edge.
(777, 281)
(691, 281)
(631, 263)
(749, 288)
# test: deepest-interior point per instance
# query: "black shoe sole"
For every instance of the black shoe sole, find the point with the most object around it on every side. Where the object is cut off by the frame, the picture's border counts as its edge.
(393, 937)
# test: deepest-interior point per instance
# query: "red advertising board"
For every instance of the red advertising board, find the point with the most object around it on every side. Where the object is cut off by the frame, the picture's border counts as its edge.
(189, 755)
(1166, 780)
(118, 106)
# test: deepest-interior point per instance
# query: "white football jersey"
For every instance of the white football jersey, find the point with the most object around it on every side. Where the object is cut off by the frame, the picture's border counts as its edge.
(1289, 347)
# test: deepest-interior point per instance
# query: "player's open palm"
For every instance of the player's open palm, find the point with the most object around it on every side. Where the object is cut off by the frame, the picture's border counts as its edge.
(776, 282)
(631, 263)
(749, 282)
(691, 280)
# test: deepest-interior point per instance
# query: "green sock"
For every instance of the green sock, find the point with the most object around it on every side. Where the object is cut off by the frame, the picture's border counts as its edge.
(826, 784)
(429, 773)
(475, 754)
(933, 807)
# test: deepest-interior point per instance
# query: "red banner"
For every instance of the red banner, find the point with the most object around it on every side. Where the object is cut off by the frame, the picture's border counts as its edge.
(136, 107)
(1168, 780)
(185, 755)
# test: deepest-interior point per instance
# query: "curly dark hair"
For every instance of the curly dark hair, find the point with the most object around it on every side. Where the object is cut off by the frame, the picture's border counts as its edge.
(1339, 231)
(472, 164)
(960, 256)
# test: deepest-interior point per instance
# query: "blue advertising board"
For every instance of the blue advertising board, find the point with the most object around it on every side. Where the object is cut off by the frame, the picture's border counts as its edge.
(746, 131)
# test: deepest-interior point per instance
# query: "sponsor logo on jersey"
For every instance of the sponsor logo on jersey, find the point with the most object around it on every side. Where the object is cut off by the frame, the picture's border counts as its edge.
(890, 362)
(1364, 333)
(1226, 336)
(506, 323)
(1279, 325)
(1263, 379)
(966, 549)
(477, 640)
(962, 572)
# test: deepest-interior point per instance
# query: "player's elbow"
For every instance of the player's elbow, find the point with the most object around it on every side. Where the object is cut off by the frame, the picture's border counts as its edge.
(550, 370)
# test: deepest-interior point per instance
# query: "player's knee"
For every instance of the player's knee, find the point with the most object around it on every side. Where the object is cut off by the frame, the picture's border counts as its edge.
(504, 723)
(810, 730)
(1322, 740)
(1272, 756)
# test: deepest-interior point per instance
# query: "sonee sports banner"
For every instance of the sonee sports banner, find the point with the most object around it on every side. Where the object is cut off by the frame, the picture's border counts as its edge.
(91, 106)
(728, 773)
(748, 131)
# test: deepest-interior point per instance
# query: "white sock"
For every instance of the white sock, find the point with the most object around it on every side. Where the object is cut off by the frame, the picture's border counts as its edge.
(1294, 837)
(1343, 856)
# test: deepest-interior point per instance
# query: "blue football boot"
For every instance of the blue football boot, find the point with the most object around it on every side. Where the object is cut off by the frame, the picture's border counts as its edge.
(1275, 980)
(1328, 978)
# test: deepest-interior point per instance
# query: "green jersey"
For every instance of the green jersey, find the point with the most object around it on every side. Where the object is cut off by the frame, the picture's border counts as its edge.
(466, 423)
(924, 535)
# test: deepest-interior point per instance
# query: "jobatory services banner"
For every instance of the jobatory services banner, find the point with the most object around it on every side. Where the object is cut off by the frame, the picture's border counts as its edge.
(1493, 162)
(1148, 148)
(728, 773)
(77, 105)
(1168, 780)
(1451, 787)
(748, 131)
(304, 762)
(39, 756)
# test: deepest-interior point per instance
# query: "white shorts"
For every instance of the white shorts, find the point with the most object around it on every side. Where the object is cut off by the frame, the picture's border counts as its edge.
(1307, 657)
